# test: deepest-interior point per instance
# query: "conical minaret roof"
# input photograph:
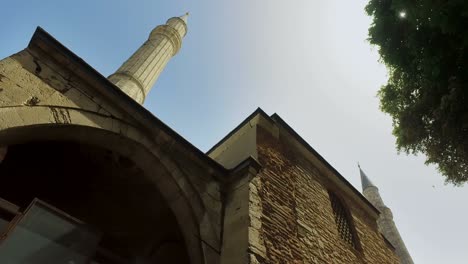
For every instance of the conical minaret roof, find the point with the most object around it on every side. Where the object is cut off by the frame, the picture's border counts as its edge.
(385, 222)
(184, 17)
(365, 181)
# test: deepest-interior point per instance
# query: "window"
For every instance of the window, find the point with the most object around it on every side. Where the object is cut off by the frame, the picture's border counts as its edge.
(46, 235)
(343, 221)
(8, 213)
(5, 218)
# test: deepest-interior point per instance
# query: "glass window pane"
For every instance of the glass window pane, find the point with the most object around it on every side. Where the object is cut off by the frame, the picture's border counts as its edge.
(3, 225)
(45, 236)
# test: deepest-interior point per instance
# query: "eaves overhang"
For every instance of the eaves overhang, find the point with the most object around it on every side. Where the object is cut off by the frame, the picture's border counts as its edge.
(258, 111)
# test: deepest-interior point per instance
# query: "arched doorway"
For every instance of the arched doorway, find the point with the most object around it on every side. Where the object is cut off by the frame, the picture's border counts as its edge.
(159, 203)
(102, 188)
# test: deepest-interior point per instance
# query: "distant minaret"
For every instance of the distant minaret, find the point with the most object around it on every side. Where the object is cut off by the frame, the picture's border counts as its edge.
(139, 73)
(385, 222)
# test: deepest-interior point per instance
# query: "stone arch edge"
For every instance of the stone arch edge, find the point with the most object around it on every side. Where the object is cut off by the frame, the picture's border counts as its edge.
(18, 124)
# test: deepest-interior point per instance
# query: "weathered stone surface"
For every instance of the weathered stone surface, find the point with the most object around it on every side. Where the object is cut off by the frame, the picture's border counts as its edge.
(387, 225)
(294, 218)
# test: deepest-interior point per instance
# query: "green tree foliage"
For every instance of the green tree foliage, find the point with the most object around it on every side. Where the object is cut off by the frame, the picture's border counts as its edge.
(424, 44)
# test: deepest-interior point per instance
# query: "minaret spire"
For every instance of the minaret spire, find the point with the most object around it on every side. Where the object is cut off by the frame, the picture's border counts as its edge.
(185, 17)
(138, 74)
(365, 181)
(385, 222)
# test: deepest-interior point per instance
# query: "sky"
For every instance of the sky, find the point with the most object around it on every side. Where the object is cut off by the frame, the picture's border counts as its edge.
(306, 60)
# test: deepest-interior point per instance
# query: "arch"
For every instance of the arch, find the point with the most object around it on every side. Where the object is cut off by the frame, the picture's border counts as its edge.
(27, 124)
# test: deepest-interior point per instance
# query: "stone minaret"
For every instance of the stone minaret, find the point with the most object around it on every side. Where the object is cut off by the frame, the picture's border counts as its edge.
(139, 73)
(385, 222)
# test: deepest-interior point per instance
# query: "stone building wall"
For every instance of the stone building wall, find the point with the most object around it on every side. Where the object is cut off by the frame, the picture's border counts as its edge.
(291, 217)
(48, 93)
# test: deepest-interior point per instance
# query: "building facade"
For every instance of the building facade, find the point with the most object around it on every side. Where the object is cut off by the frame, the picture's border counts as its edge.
(90, 176)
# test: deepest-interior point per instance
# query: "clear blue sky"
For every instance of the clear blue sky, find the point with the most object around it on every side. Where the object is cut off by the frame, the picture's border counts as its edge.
(306, 60)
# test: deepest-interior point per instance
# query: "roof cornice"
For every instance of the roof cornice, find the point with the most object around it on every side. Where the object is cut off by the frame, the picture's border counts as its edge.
(277, 120)
(258, 111)
(340, 177)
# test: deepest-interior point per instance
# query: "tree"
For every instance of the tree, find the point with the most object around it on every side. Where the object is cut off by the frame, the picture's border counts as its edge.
(424, 45)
